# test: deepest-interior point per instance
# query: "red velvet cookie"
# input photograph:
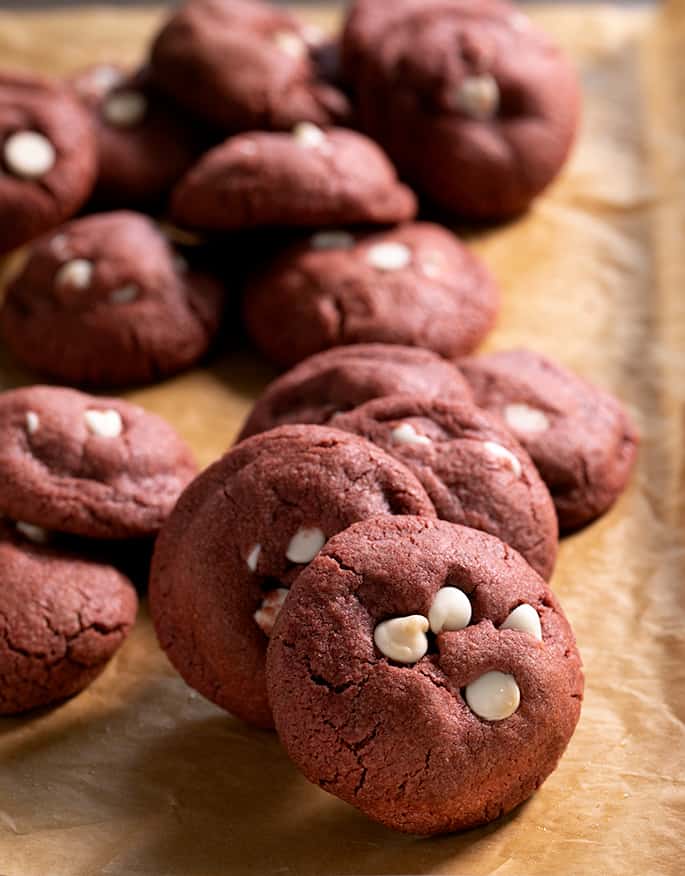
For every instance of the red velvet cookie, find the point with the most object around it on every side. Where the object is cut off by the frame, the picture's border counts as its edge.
(62, 618)
(423, 672)
(580, 438)
(145, 143)
(243, 65)
(473, 103)
(306, 178)
(240, 535)
(47, 157)
(342, 378)
(86, 465)
(105, 302)
(472, 468)
(415, 285)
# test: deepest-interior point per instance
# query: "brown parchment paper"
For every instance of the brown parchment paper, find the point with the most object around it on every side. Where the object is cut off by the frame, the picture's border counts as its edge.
(139, 775)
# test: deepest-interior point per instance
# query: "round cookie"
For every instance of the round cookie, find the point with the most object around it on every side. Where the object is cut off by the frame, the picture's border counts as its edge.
(342, 378)
(492, 104)
(105, 302)
(243, 65)
(86, 465)
(47, 157)
(415, 285)
(240, 535)
(62, 618)
(579, 437)
(424, 673)
(306, 178)
(145, 144)
(472, 468)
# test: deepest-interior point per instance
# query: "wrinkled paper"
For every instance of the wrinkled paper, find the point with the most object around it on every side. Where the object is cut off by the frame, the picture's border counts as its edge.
(139, 775)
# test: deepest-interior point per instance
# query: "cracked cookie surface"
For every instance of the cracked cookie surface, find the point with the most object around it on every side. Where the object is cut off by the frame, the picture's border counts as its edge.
(415, 285)
(244, 530)
(473, 469)
(85, 465)
(62, 618)
(103, 301)
(580, 438)
(47, 157)
(405, 742)
(342, 378)
(306, 178)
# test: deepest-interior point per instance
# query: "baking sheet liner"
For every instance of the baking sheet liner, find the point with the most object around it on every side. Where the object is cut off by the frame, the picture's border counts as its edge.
(139, 775)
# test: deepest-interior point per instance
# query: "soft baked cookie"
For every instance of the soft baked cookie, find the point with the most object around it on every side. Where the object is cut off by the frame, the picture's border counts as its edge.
(472, 468)
(490, 103)
(580, 437)
(415, 285)
(243, 65)
(306, 178)
(240, 535)
(342, 378)
(145, 143)
(105, 302)
(86, 465)
(423, 672)
(48, 157)
(62, 618)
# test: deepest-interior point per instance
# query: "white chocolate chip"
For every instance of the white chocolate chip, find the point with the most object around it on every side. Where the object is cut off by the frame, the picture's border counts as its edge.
(502, 454)
(266, 614)
(32, 422)
(309, 135)
(36, 534)
(525, 420)
(253, 557)
(525, 619)
(104, 424)
(77, 274)
(478, 97)
(29, 154)
(402, 638)
(405, 433)
(124, 295)
(59, 245)
(332, 240)
(451, 610)
(290, 43)
(124, 109)
(494, 696)
(389, 256)
(432, 263)
(305, 545)
(104, 77)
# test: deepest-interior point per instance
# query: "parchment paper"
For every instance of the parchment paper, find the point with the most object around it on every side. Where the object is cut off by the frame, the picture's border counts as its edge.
(139, 775)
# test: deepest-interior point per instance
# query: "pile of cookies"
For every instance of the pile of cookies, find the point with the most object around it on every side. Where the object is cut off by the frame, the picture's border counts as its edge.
(366, 569)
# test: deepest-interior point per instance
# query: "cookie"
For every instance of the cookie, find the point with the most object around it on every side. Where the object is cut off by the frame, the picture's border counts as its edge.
(243, 65)
(240, 535)
(90, 466)
(105, 302)
(306, 178)
(424, 673)
(491, 103)
(415, 285)
(580, 437)
(343, 378)
(472, 468)
(145, 143)
(48, 158)
(62, 618)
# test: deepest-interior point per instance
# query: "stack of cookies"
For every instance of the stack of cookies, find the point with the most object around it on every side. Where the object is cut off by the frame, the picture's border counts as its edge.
(366, 570)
